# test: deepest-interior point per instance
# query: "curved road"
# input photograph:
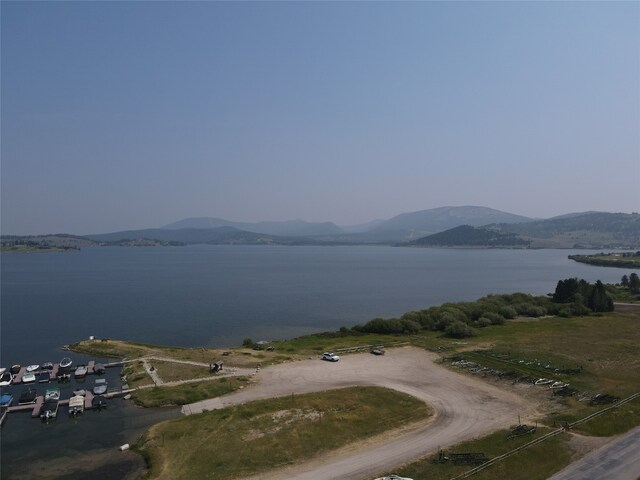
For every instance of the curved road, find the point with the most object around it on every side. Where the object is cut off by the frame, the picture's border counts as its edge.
(464, 408)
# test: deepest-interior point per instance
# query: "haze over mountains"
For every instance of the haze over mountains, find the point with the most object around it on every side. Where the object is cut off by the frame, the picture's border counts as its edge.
(445, 226)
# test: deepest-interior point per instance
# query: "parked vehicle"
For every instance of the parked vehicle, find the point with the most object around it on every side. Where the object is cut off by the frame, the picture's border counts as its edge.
(331, 357)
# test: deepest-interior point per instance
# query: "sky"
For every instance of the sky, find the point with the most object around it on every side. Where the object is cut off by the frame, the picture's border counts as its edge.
(126, 115)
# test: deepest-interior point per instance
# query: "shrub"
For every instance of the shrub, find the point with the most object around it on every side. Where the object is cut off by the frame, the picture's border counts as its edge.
(508, 312)
(494, 318)
(482, 322)
(458, 329)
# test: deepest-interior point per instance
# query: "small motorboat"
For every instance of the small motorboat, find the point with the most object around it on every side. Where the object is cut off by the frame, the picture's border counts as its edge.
(99, 368)
(100, 386)
(15, 368)
(81, 371)
(543, 381)
(64, 377)
(27, 396)
(6, 379)
(2, 370)
(65, 362)
(50, 406)
(81, 392)
(99, 402)
(44, 377)
(28, 377)
(76, 405)
(33, 368)
(47, 366)
(6, 399)
(558, 385)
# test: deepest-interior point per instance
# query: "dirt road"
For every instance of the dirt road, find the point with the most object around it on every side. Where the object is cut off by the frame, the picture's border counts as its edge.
(465, 408)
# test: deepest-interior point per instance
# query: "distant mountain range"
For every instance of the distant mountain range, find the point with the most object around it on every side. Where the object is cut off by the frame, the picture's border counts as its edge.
(444, 226)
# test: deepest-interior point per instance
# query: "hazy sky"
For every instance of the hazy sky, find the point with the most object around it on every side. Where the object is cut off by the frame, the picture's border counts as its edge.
(119, 115)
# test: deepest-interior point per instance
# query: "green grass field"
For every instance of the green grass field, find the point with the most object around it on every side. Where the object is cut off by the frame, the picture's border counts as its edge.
(243, 440)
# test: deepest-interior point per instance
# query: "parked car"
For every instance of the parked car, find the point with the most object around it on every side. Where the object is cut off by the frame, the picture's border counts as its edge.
(331, 357)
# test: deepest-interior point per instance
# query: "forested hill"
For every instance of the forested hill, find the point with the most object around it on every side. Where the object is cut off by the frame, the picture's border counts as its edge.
(468, 236)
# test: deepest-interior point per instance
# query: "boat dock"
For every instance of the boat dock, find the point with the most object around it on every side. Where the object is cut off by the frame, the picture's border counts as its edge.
(35, 408)
(53, 373)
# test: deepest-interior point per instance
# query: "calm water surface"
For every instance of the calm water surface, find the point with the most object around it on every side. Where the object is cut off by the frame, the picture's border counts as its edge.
(216, 296)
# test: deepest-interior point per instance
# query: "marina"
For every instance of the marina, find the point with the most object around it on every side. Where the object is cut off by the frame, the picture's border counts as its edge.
(46, 406)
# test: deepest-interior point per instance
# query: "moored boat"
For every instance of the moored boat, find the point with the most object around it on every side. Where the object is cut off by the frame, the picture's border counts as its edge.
(2, 370)
(44, 377)
(76, 405)
(27, 396)
(33, 368)
(100, 386)
(65, 362)
(6, 379)
(64, 377)
(81, 371)
(99, 369)
(6, 399)
(28, 377)
(15, 368)
(99, 402)
(80, 392)
(50, 406)
(47, 366)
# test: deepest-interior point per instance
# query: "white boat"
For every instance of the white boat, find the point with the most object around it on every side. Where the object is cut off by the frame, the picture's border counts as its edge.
(28, 377)
(32, 368)
(81, 371)
(76, 405)
(50, 405)
(6, 379)
(100, 386)
(65, 362)
(558, 385)
(543, 381)
(2, 370)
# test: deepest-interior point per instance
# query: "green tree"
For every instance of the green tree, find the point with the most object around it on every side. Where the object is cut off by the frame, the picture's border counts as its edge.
(625, 281)
(634, 283)
(599, 300)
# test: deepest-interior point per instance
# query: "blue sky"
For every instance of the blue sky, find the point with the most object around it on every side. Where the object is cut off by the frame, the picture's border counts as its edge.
(119, 115)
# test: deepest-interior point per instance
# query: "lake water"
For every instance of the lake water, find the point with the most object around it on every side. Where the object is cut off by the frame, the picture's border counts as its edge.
(216, 296)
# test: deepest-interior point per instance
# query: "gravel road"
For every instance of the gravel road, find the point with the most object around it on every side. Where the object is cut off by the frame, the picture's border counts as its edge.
(464, 408)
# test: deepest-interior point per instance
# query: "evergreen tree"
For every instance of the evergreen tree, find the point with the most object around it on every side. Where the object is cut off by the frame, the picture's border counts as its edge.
(599, 301)
(625, 281)
(634, 283)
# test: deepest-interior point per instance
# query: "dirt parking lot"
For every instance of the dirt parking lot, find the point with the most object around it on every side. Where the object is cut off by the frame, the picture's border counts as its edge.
(465, 407)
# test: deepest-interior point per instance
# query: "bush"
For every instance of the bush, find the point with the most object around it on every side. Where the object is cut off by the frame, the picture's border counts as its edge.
(530, 310)
(482, 322)
(508, 312)
(459, 329)
(494, 318)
